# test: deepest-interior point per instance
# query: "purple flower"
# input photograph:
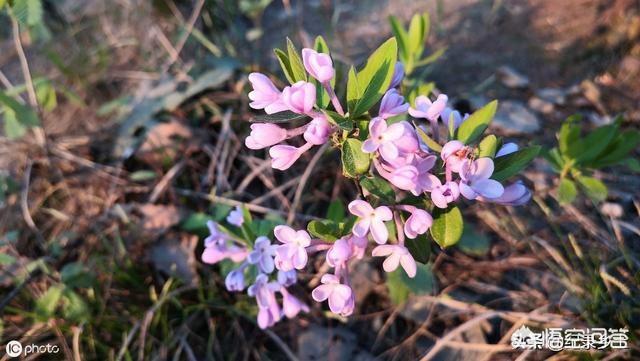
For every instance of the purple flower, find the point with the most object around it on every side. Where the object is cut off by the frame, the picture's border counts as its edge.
(396, 255)
(426, 180)
(318, 130)
(291, 253)
(392, 104)
(398, 74)
(265, 95)
(319, 65)
(358, 246)
(443, 194)
(235, 279)
(450, 114)
(427, 109)
(299, 97)
(287, 278)
(283, 156)
(236, 217)
(381, 138)
(264, 291)
(507, 149)
(454, 153)
(262, 254)
(370, 219)
(475, 179)
(216, 248)
(515, 194)
(418, 222)
(340, 296)
(405, 177)
(339, 253)
(292, 305)
(265, 135)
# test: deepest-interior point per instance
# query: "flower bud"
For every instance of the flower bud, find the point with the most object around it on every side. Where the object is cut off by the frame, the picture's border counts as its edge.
(319, 65)
(265, 135)
(300, 97)
(265, 95)
(318, 131)
(398, 74)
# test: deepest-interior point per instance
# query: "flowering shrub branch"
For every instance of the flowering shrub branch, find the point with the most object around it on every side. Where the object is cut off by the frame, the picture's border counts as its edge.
(415, 163)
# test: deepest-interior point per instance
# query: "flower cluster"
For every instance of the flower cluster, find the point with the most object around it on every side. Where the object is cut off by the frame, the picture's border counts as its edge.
(262, 257)
(417, 160)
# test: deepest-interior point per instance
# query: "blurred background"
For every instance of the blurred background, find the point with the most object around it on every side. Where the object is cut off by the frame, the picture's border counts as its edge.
(123, 131)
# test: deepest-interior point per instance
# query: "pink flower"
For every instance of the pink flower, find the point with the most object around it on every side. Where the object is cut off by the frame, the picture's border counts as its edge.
(292, 253)
(291, 305)
(418, 222)
(236, 217)
(426, 180)
(392, 104)
(339, 253)
(235, 280)
(427, 109)
(450, 114)
(283, 156)
(265, 95)
(318, 130)
(264, 135)
(515, 194)
(454, 153)
(358, 246)
(381, 138)
(215, 235)
(475, 179)
(507, 149)
(443, 194)
(319, 65)
(370, 219)
(398, 74)
(264, 291)
(299, 97)
(396, 255)
(340, 296)
(262, 254)
(216, 248)
(405, 178)
(287, 278)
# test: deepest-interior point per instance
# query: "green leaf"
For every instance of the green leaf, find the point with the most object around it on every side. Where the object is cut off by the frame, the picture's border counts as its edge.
(17, 117)
(76, 275)
(322, 97)
(336, 211)
(473, 242)
(46, 95)
(295, 62)
(419, 247)
(618, 149)
(379, 188)
(2, 3)
(13, 129)
(567, 191)
(633, 164)
(595, 143)
(47, 303)
(339, 120)
(196, 223)
(417, 33)
(568, 135)
(398, 290)
(555, 159)
(376, 76)
(280, 117)
(353, 91)
(488, 146)
(283, 59)
(432, 144)
(594, 188)
(6, 260)
(477, 122)
(326, 230)
(354, 160)
(447, 226)
(28, 12)
(400, 286)
(142, 175)
(320, 45)
(74, 308)
(511, 164)
(402, 38)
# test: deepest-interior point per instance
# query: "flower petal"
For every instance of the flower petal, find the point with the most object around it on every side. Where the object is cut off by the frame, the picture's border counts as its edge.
(409, 265)
(379, 231)
(322, 292)
(360, 208)
(391, 263)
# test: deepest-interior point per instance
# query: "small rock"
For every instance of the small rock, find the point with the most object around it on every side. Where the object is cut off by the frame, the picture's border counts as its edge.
(540, 105)
(511, 78)
(514, 118)
(176, 258)
(552, 95)
(613, 210)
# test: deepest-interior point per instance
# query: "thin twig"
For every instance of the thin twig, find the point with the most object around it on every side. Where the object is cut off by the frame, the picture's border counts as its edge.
(303, 181)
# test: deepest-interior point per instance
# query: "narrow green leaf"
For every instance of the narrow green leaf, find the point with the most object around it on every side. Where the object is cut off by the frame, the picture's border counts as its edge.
(417, 30)
(74, 307)
(339, 120)
(432, 144)
(354, 160)
(511, 164)
(595, 143)
(477, 122)
(568, 135)
(488, 146)
(28, 12)
(46, 304)
(17, 116)
(322, 97)
(6, 260)
(295, 62)
(594, 188)
(376, 76)
(447, 226)
(419, 247)
(13, 129)
(142, 175)
(567, 191)
(555, 159)
(402, 38)
(379, 188)
(336, 211)
(353, 91)
(619, 149)
(320, 45)
(280, 117)
(283, 59)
